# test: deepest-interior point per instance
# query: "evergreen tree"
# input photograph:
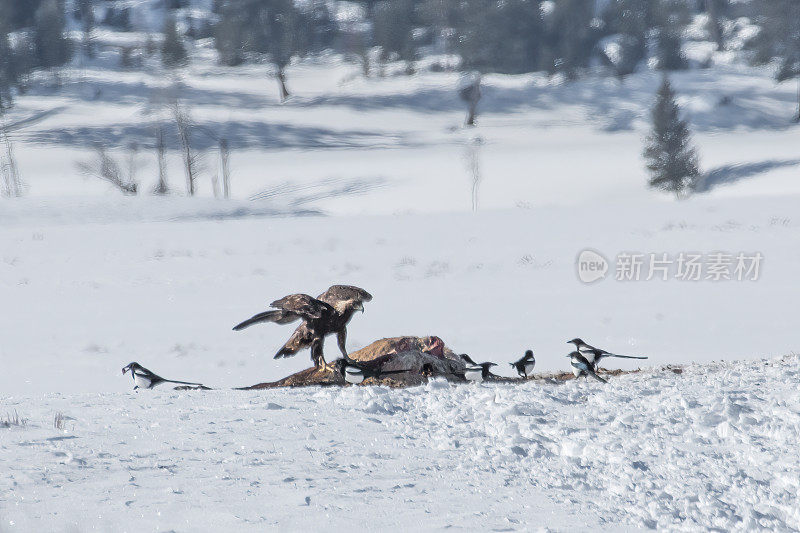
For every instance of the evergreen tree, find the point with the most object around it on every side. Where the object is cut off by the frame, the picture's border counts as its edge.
(8, 75)
(173, 51)
(571, 36)
(670, 54)
(780, 39)
(393, 25)
(671, 16)
(118, 18)
(85, 13)
(266, 27)
(630, 20)
(714, 9)
(52, 48)
(502, 37)
(18, 14)
(671, 159)
(229, 36)
(317, 27)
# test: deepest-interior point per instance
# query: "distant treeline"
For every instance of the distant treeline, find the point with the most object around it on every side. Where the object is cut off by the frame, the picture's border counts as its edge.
(503, 36)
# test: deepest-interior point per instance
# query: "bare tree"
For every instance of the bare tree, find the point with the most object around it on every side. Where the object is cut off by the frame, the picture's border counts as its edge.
(191, 158)
(12, 184)
(470, 93)
(133, 163)
(224, 155)
(363, 52)
(106, 168)
(473, 160)
(224, 163)
(161, 154)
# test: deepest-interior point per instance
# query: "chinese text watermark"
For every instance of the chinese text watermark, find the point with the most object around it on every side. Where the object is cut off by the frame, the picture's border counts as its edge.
(683, 266)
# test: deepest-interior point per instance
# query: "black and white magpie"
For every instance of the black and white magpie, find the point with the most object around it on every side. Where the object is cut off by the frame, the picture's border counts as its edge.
(525, 365)
(145, 379)
(476, 371)
(354, 372)
(594, 355)
(582, 367)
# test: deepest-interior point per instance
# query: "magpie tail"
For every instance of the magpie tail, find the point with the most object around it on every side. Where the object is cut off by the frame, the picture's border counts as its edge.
(595, 376)
(184, 383)
(626, 356)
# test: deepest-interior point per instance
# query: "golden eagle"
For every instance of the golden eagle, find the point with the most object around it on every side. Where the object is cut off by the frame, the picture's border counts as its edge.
(324, 315)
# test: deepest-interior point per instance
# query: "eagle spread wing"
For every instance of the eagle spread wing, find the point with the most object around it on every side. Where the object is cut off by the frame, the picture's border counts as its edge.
(302, 305)
(289, 308)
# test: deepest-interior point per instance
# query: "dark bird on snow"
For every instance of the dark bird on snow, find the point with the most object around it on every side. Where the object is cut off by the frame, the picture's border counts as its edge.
(476, 371)
(525, 365)
(582, 367)
(324, 315)
(145, 379)
(594, 355)
(355, 372)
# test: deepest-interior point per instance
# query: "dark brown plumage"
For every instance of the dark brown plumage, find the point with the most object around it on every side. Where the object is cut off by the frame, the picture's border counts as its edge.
(324, 315)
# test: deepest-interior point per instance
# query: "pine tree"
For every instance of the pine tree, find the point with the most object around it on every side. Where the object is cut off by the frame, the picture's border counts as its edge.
(173, 51)
(275, 28)
(714, 10)
(8, 76)
(229, 36)
(571, 36)
(85, 11)
(52, 48)
(501, 37)
(780, 39)
(671, 15)
(18, 14)
(392, 27)
(670, 54)
(671, 159)
(630, 20)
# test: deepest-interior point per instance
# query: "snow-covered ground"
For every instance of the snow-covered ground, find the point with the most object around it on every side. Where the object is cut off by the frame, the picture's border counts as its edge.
(90, 281)
(713, 448)
(166, 293)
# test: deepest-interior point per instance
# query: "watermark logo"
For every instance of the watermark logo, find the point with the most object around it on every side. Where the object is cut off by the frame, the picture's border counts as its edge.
(684, 266)
(591, 266)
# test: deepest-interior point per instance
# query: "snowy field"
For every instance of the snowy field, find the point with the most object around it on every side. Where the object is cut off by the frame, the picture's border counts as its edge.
(371, 182)
(166, 294)
(343, 144)
(714, 448)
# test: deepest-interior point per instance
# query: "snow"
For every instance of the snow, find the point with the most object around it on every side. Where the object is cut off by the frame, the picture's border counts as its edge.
(541, 142)
(166, 293)
(573, 457)
(371, 182)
